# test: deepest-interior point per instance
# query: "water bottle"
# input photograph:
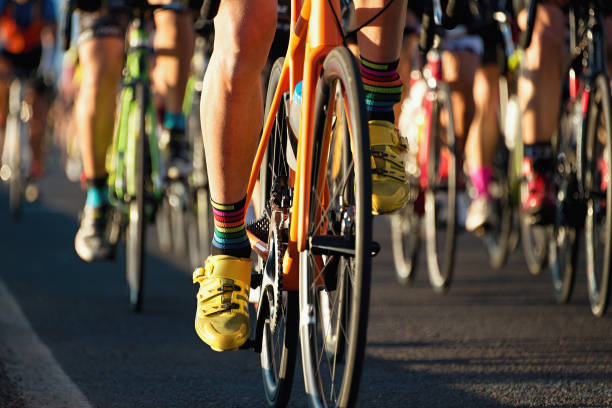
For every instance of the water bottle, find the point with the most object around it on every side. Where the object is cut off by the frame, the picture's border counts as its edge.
(295, 109)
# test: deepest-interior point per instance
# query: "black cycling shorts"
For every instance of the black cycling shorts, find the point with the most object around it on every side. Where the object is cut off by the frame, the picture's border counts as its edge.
(26, 62)
(100, 24)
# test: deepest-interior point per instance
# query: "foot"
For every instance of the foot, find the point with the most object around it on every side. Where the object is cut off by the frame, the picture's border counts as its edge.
(390, 188)
(91, 240)
(539, 203)
(481, 214)
(178, 150)
(222, 314)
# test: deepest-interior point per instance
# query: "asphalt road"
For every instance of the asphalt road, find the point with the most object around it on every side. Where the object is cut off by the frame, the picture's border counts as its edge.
(495, 340)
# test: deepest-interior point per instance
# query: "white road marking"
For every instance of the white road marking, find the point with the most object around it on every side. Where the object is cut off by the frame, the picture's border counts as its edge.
(30, 365)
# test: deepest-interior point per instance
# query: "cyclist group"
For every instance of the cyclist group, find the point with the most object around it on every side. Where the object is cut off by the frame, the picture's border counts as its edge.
(232, 111)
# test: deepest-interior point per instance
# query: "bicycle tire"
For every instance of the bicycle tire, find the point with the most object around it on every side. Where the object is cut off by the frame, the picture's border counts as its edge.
(162, 224)
(15, 129)
(135, 241)
(535, 244)
(440, 262)
(279, 340)
(176, 197)
(346, 188)
(563, 242)
(598, 273)
(498, 241)
(405, 243)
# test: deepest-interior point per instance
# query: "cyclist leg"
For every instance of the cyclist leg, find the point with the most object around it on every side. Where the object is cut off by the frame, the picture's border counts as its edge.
(101, 59)
(173, 42)
(380, 44)
(231, 116)
(545, 62)
(483, 134)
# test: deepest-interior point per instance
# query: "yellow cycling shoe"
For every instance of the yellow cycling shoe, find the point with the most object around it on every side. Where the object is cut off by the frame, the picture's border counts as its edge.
(390, 188)
(222, 314)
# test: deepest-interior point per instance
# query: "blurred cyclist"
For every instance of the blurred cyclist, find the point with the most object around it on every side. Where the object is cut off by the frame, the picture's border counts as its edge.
(101, 55)
(539, 91)
(26, 26)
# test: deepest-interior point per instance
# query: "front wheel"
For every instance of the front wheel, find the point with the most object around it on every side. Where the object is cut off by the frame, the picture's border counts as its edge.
(405, 243)
(334, 278)
(441, 194)
(136, 216)
(598, 222)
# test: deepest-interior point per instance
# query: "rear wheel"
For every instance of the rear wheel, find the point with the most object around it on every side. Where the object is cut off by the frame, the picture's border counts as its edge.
(335, 269)
(441, 194)
(598, 222)
(405, 243)
(569, 215)
(135, 238)
(535, 250)
(279, 307)
(498, 240)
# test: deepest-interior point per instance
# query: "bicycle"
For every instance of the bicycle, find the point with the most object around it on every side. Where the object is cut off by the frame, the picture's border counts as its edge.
(432, 168)
(16, 154)
(314, 237)
(583, 163)
(132, 162)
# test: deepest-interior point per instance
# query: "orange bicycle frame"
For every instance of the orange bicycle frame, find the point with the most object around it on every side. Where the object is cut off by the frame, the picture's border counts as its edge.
(314, 34)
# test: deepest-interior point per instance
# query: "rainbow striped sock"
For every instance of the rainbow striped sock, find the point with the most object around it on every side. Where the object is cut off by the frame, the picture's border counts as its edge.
(230, 236)
(383, 88)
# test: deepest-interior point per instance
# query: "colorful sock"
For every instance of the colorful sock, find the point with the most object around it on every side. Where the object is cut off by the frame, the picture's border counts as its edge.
(542, 156)
(174, 121)
(97, 192)
(481, 178)
(383, 88)
(230, 236)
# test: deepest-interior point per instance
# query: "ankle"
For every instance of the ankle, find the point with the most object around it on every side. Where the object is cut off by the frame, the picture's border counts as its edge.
(229, 230)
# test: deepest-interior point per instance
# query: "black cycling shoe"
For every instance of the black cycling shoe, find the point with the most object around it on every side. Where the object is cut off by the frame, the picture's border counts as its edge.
(91, 241)
(178, 153)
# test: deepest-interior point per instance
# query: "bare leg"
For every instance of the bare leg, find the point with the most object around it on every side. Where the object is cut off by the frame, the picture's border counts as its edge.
(545, 62)
(231, 109)
(173, 44)
(381, 40)
(458, 72)
(101, 64)
(484, 130)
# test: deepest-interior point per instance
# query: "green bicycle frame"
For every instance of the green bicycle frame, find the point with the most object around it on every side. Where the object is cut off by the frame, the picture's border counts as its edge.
(121, 158)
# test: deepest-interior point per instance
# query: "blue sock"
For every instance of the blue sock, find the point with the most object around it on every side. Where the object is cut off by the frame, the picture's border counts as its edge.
(174, 121)
(97, 196)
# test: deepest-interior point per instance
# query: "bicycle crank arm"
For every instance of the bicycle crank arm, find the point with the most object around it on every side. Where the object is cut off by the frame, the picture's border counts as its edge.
(328, 245)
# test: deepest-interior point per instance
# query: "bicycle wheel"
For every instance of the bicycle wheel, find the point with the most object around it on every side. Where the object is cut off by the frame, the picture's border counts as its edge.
(441, 194)
(14, 134)
(535, 244)
(334, 292)
(162, 224)
(405, 243)
(135, 237)
(563, 242)
(280, 308)
(598, 222)
(498, 240)
(177, 196)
